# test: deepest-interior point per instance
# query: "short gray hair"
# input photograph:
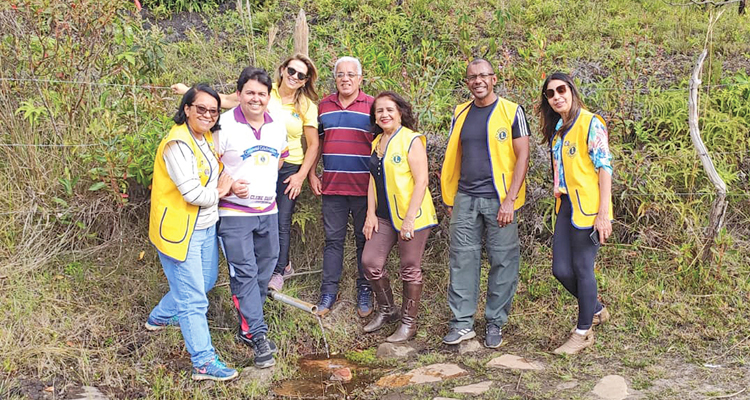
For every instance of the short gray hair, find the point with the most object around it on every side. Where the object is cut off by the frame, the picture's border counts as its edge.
(348, 59)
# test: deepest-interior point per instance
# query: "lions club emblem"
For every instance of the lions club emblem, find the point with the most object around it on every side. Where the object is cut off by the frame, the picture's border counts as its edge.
(501, 134)
(396, 159)
(571, 151)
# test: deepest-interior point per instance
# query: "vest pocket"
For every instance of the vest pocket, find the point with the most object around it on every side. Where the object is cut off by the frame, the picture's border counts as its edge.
(172, 228)
(580, 205)
(398, 214)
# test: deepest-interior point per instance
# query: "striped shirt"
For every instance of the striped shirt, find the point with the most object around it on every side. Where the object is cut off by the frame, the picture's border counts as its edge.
(347, 143)
(182, 167)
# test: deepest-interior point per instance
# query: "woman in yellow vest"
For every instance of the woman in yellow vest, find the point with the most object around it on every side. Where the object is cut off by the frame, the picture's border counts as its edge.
(582, 172)
(186, 189)
(399, 210)
(293, 100)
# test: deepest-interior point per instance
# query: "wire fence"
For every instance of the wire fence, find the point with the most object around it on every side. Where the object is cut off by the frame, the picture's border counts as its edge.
(584, 89)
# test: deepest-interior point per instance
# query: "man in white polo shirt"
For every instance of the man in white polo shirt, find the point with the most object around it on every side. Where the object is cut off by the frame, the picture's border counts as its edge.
(252, 147)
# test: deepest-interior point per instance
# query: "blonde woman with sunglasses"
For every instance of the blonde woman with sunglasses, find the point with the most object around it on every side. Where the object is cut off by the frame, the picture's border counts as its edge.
(293, 99)
(582, 172)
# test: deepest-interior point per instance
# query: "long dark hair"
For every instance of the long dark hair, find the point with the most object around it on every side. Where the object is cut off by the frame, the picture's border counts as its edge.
(189, 97)
(306, 93)
(549, 117)
(407, 117)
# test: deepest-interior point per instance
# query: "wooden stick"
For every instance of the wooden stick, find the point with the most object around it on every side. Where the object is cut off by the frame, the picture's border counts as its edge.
(719, 207)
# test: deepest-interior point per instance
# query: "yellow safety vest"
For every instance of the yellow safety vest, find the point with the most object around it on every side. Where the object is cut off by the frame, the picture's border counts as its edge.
(500, 145)
(399, 182)
(581, 178)
(172, 219)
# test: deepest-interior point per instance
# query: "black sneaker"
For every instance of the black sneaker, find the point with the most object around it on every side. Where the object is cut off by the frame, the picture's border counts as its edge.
(244, 339)
(263, 352)
(493, 337)
(458, 335)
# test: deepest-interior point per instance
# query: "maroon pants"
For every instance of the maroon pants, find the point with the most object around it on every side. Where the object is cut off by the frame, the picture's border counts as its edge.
(380, 244)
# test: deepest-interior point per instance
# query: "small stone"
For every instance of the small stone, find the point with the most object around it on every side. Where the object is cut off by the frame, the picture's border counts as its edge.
(477, 388)
(611, 387)
(567, 385)
(469, 346)
(90, 393)
(430, 373)
(510, 361)
(395, 350)
(343, 375)
(261, 375)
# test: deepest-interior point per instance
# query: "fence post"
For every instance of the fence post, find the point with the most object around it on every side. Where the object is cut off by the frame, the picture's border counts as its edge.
(301, 33)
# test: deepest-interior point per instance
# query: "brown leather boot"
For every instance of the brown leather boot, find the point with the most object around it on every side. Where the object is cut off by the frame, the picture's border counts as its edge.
(409, 309)
(387, 311)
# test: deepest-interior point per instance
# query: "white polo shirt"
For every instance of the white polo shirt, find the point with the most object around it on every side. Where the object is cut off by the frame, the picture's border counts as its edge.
(252, 155)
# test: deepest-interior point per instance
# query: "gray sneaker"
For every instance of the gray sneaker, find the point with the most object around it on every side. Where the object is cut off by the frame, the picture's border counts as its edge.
(493, 337)
(458, 335)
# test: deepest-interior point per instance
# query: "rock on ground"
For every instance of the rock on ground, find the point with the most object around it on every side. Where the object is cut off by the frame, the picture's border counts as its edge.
(261, 375)
(477, 388)
(611, 387)
(511, 361)
(90, 393)
(567, 385)
(430, 373)
(469, 346)
(395, 350)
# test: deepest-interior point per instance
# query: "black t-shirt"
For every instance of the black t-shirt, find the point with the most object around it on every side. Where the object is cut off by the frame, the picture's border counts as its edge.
(476, 170)
(376, 170)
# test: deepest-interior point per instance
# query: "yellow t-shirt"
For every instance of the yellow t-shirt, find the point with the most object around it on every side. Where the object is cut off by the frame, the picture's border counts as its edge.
(294, 122)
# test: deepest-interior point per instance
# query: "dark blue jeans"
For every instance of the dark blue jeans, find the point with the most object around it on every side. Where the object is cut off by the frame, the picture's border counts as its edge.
(336, 210)
(285, 206)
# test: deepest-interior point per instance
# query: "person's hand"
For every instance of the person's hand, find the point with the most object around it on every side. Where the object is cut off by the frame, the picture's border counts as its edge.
(224, 185)
(315, 184)
(371, 225)
(407, 229)
(294, 185)
(505, 213)
(240, 189)
(179, 88)
(603, 226)
(449, 210)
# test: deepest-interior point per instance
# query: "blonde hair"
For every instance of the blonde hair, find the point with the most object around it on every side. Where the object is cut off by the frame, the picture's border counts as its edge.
(307, 92)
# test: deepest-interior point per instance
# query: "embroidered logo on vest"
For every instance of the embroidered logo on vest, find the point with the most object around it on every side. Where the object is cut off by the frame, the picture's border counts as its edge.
(501, 134)
(571, 151)
(396, 159)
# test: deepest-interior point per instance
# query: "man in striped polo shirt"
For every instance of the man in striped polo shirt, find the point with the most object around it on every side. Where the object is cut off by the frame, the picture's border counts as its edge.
(344, 126)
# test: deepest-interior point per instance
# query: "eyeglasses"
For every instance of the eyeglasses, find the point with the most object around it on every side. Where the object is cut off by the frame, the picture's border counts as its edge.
(482, 76)
(550, 93)
(350, 75)
(202, 110)
(291, 71)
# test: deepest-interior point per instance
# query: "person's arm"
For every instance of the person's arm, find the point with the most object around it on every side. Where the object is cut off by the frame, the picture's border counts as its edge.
(295, 181)
(601, 157)
(602, 224)
(371, 220)
(417, 159)
(227, 100)
(520, 136)
(182, 169)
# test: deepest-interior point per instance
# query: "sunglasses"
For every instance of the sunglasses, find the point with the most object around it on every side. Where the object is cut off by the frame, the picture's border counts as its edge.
(291, 71)
(202, 110)
(550, 93)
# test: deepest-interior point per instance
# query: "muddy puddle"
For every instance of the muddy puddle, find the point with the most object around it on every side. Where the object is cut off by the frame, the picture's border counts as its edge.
(319, 377)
